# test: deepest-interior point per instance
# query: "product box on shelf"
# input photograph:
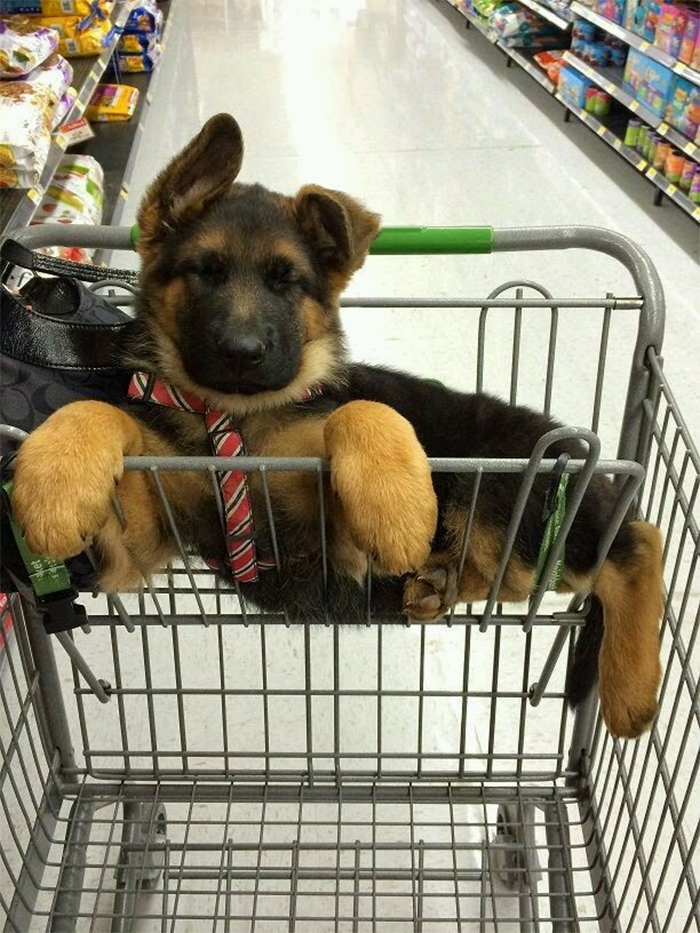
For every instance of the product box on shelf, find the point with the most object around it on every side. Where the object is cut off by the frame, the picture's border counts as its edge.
(670, 29)
(610, 9)
(648, 80)
(573, 86)
(645, 19)
(633, 10)
(683, 110)
(691, 37)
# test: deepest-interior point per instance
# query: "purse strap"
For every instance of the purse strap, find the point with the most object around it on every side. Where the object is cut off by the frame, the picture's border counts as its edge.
(13, 252)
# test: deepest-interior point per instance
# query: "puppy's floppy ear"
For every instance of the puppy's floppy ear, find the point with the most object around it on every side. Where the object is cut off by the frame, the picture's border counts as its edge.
(338, 227)
(204, 171)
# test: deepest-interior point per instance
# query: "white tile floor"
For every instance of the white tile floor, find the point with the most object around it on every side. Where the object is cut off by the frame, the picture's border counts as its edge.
(390, 101)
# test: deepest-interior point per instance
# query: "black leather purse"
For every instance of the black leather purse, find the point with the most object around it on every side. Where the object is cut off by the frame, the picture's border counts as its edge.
(59, 343)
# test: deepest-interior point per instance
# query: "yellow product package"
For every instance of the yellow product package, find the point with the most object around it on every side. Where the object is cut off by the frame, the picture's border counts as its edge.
(76, 39)
(111, 103)
(80, 8)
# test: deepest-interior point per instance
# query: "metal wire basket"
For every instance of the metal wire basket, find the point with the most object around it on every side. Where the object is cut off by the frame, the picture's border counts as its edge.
(187, 763)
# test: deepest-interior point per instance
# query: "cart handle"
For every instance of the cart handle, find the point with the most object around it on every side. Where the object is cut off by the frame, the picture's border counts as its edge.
(404, 241)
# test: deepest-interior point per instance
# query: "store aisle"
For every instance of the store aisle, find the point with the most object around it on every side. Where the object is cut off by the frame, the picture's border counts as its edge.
(395, 102)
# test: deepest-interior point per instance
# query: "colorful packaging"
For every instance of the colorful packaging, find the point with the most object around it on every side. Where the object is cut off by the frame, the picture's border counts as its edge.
(610, 9)
(137, 43)
(573, 86)
(25, 132)
(75, 194)
(690, 37)
(141, 63)
(674, 166)
(661, 154)
(144, 18)
(683, 110)
(112, 103)
(64, 107)
(670, 29)
(645, 19)
(78, 37)
(649, 81)
(55, 74)
(629, 19)
(80, 8)
(24, 46)
(643, 140)
(687, 175)
(695, 188)
(596, 54)
(602, 104)
(632, 133)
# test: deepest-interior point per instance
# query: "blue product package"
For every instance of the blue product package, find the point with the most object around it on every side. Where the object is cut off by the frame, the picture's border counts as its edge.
(648, 80)
(573, 86)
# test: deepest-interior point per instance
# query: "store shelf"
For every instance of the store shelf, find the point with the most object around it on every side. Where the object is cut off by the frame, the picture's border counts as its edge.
(528, 65)
(559, 18)
(636, 42)
(481, 25)
(17, 206)
(630, 155)
(613, 79)
(610, 80)
(115, 145)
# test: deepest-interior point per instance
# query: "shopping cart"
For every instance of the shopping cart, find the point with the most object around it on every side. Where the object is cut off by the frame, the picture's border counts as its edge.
(183, 762)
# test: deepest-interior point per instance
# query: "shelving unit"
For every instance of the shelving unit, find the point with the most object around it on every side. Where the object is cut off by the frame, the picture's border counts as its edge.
(562, 19)
(671, 190)
(17, 205)
(635, 41)
(115, 145)
(610, 80)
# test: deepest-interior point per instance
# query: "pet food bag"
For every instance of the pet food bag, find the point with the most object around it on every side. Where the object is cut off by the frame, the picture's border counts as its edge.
(55, 74)
(26, 115)
(138, 43)
(76, 193)
(144, 18)
(64, 107)
(112, 103)
(80, 8)
(24, 45)
(141, 63)
(79, 36)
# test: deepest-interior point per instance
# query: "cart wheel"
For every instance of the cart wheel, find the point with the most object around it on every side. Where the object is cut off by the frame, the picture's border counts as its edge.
(155, 858)
(514, 855)
(142, 856)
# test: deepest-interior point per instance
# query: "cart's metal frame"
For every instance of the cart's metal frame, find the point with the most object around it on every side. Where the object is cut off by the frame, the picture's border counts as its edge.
(596, 834)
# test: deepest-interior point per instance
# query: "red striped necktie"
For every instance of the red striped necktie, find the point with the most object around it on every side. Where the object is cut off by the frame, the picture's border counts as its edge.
(226, 441)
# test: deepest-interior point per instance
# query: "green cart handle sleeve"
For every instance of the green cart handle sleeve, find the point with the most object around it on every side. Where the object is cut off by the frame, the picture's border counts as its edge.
(406, 241)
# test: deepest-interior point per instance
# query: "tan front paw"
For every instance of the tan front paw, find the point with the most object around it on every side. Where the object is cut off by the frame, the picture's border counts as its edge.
(61, 493)
(381, 475)
(430, 594)
(628, 699)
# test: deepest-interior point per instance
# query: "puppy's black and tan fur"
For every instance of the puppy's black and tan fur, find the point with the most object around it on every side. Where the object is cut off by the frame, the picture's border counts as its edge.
(239, 304)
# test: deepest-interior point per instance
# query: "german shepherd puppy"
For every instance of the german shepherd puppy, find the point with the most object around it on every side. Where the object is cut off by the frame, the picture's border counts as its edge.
(238, 305)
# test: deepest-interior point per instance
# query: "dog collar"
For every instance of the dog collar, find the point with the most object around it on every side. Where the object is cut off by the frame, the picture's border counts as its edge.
(226, 441)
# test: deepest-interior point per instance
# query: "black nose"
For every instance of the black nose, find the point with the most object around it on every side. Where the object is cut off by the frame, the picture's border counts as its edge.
(243, 351)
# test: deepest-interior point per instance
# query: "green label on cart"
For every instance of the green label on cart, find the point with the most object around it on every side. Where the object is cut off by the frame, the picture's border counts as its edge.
(551, 530)
(45, 575)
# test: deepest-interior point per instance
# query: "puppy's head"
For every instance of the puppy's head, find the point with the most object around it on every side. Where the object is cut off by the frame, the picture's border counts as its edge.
(240, 284)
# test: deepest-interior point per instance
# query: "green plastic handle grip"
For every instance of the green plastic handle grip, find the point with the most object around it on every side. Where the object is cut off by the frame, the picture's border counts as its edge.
(406, 241)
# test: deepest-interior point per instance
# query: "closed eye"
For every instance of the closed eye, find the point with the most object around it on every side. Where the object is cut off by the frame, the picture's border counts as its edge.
(209, 266)
(281, 275)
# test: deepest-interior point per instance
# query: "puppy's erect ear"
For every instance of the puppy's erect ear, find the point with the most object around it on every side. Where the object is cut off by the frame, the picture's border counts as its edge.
(339, 228)
(204, 171)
